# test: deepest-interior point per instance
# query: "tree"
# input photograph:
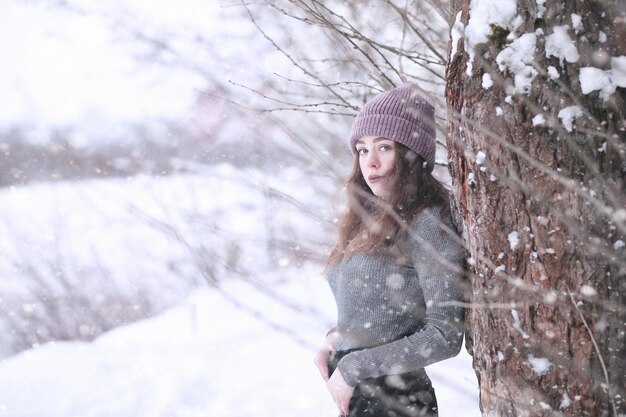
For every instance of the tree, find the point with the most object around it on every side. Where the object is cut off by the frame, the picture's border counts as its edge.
(535, 92)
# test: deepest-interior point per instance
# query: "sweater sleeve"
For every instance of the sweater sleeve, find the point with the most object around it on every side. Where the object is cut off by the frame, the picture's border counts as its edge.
(334, 329)
(438, 259)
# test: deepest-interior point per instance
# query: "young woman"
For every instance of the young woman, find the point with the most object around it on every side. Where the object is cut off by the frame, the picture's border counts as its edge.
(396, 268)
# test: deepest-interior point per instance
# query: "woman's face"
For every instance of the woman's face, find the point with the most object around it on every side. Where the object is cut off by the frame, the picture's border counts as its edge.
(376, 158)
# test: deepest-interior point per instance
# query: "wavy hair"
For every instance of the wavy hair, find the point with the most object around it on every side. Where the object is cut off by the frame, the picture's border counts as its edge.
(375, 225)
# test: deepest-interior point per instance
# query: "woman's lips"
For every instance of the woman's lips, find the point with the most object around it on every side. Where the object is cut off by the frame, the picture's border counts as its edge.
(374, 178)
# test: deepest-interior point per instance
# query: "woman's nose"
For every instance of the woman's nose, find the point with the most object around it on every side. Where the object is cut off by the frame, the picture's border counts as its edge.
(373, 161)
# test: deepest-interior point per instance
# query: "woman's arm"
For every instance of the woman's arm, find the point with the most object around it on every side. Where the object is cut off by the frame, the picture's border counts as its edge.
(438, 259)
(338, 388)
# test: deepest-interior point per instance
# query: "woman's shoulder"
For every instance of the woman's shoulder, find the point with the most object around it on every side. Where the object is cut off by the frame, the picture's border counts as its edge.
(431, 215)
(430, 222)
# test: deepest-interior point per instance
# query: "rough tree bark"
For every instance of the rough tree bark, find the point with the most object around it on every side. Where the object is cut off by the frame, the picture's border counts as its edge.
(543, 215)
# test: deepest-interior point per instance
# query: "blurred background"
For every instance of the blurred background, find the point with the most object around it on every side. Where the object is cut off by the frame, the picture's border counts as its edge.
(171, 175)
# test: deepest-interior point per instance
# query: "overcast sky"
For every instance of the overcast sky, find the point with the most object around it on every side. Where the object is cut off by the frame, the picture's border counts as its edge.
(61, 67)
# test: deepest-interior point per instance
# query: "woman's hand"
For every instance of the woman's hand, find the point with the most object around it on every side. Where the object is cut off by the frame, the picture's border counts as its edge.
(322, 356)
(340, 391)
(321, 360)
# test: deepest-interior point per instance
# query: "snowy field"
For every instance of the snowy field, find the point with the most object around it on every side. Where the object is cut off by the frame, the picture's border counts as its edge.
(237, 350)
(205, 357)
(135, 246)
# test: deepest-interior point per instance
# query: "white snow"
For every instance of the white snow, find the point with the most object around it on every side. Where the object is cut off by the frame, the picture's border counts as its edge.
(541, 8)
(395, 281)
(471, 180)
(576, 22)
(456, 34)
(550, 297)
(480, 157)
(517, 57)
(618, 71)
(588, 290)
(513, 239)
(517, 325)
(553, 72)
(539, 365)
(619, 215)
(596, 79)
(566, 401)
(568, 115)
(602, 37)
(539, 120)
(603, 147)
(483, 14)
(487, 81)
(560, 45)
(618, 244)
(498, 111)
(544, 406)
(592, 79)
(517, 23)
(492, 178)
(197, 359)
(524, 79)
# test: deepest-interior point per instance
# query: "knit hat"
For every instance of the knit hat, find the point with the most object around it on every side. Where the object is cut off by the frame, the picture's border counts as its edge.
(401, 114)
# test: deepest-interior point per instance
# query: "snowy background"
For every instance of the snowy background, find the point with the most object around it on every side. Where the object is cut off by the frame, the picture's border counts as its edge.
(162, 242)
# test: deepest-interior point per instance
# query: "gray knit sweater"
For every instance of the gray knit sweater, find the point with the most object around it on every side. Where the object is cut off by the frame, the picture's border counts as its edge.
(402, 318)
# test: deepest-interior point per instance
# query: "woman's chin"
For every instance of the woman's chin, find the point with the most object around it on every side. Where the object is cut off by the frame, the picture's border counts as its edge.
(381, 194)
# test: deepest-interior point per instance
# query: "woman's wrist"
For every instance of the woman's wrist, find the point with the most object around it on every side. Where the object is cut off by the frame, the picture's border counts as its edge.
(331, 339)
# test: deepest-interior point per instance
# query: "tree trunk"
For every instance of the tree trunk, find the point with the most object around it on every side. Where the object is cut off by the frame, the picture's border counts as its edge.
(543, 213)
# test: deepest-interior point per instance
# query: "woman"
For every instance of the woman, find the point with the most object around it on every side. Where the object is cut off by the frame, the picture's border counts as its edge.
(396, 269)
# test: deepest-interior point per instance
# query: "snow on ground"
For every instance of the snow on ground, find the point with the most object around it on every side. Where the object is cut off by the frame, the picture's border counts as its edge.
(204, 357)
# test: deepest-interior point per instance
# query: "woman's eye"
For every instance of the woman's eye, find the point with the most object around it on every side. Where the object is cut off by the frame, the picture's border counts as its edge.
(361, 151)
(385, 148)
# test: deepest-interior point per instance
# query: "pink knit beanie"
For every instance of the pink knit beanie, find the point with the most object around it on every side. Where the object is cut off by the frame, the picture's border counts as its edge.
(401, 114)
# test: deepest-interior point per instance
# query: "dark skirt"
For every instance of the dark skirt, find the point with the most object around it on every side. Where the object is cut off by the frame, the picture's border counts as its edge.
(409, 394)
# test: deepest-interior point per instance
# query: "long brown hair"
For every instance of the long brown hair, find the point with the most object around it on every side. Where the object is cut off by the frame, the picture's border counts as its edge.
(371, 224)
